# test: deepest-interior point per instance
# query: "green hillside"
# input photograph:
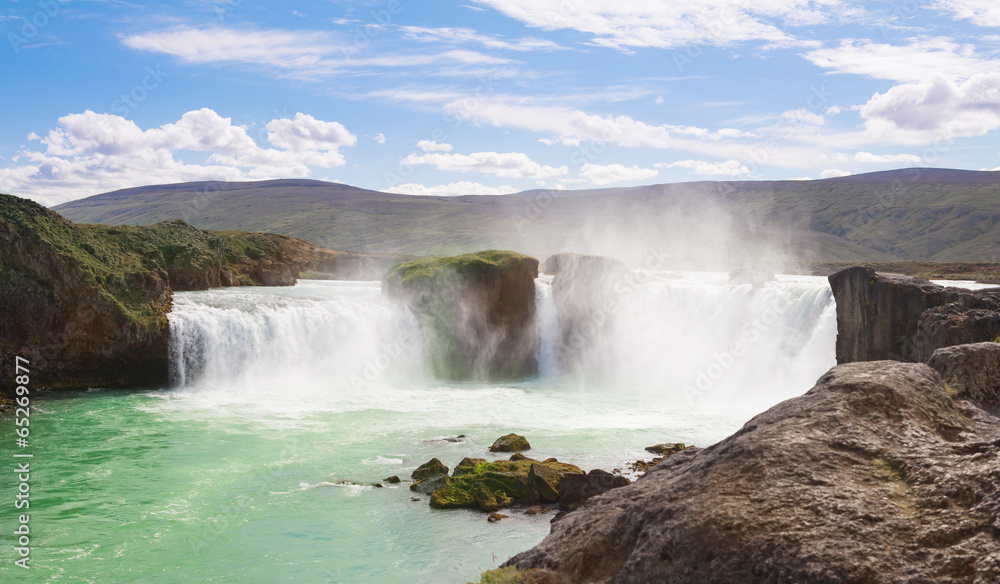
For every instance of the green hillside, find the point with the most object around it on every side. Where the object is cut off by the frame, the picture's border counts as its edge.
(913, 214)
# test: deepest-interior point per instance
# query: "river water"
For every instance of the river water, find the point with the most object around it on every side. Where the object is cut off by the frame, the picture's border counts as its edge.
(257, 465)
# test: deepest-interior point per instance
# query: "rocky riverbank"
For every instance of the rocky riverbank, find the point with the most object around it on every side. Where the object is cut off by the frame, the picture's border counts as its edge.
(87, 304)
(875, 475)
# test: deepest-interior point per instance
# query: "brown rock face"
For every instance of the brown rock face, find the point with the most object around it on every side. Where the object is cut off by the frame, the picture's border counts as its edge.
(904, 318)
(587, 291)
(971, 372)
(87, 304)
(65, 318)
(476, 312)
(874, 476)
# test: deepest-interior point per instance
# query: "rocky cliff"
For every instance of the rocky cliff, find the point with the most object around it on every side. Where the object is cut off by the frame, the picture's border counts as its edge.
(87, 304)
(874, 476)
(883, 316)
(587, 291)
(476, 311)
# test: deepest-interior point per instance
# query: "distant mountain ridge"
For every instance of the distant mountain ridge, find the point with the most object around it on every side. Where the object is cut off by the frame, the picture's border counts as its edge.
(907, 214)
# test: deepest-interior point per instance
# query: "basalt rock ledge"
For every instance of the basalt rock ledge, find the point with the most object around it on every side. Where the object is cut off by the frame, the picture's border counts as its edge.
(875, 476)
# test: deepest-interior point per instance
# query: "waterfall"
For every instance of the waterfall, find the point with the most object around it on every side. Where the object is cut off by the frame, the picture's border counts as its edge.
(690, 338)
(695, 339)
(547, 327)
(317, 333)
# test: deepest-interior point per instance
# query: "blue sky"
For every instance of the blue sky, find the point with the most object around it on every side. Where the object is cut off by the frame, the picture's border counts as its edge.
(490, 96)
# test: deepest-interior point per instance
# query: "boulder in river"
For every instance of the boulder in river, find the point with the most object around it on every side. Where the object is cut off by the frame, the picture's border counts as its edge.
(490, 486)
(510, 443)
(430, 468)
(476, 312)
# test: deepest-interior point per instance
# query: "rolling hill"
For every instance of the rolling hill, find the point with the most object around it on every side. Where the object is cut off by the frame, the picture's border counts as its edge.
(911, 214)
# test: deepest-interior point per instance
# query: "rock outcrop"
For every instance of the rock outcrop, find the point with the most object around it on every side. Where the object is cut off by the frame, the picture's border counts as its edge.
(87, 304)
(971, 372)
(882, 316)
(476, 312)
(876, 475)
(510, 443)
(587, 292)
(491, 486)
(576, 489)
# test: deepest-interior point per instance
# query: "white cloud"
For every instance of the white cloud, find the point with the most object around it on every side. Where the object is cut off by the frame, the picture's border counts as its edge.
(297, 54)
(834, 173)
(667, 25)
(501, 164)
(379, 138)
(868, 157)
(937, 108)
(980, 12)
(919, 60)
(432, 146)
(304, 133)
(727, 168)
(599, 174)
(90, 153)
(461, 35)
(805, 116)
(572, 126)
(451, 190)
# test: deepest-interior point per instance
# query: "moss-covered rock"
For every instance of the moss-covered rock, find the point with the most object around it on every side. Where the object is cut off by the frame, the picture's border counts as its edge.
(453, 497)
(545, 481)
(469, 466)
(510, 443)
(476, 312)
(430, 484)
(428, 469)
(490, 486)
(509, 575)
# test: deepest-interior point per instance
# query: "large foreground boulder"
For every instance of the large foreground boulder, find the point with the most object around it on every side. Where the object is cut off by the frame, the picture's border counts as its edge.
(874, 476)
(903, 318)
(476, 312)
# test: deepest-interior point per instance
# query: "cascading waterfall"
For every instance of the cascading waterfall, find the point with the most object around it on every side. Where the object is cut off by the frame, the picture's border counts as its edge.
(547, 327)
(694, 339)
(324, 334)
(689, 338)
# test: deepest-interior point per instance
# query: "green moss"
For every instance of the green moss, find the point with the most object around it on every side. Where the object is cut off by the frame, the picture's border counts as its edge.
(509, 575)
(453, 497)
(411, 273)
(490, 486)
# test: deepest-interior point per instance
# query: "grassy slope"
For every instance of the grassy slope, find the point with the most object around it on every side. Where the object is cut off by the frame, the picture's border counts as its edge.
(87, 301)
(911, 214)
